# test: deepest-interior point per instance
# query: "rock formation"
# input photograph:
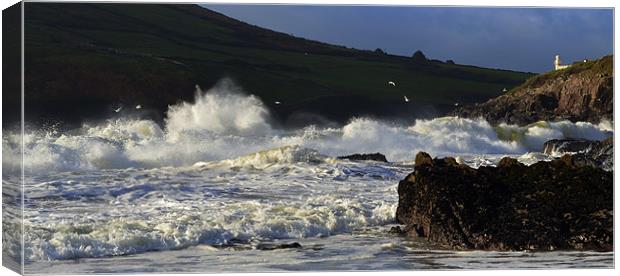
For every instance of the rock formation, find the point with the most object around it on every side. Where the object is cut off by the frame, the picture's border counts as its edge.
(585, 152)
(545, 206)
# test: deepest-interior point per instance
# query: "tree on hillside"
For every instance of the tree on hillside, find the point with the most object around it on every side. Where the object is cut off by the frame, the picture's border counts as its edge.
(450, 61)
(379, 51)
(419, 56)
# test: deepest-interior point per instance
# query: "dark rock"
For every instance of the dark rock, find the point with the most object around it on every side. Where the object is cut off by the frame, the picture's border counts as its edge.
(585, 152)
(448, 161)
(272, 246)
(365, 156)
(451, 161)
(556, 205)
(397, 230)
(565, 146)
(423, 159)
(582, 92)
(566, 160)
(508, 162)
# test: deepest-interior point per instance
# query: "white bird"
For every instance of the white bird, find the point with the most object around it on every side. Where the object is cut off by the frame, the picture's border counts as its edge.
(138, 106)
(504, 90)
(406, 99)
(118, 109)
(391, 83)
(277, 102)
(456, 104)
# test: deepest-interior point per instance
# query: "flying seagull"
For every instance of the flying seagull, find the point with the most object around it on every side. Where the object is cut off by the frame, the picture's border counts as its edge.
(138, 106)
(118, 109)
(456, 104)
(406, 99)
(391, 83)
(277, 102)
(504, 90)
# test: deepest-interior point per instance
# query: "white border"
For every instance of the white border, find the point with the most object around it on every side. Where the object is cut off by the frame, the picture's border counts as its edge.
(500, 3)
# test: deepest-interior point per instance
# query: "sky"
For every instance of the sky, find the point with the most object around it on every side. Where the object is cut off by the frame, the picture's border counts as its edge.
(523, 39)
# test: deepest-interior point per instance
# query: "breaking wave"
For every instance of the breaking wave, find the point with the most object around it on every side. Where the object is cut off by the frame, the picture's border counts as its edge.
(262, 159)
(224, 123)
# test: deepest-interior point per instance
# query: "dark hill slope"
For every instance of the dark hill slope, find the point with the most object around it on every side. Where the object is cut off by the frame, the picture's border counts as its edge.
(84, 59)
(582, 92)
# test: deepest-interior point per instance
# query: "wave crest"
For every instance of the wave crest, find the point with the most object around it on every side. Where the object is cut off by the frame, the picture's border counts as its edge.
(223, 109)
(262, 159)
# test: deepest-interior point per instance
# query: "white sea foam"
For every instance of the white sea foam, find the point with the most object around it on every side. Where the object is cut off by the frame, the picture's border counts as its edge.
(134, 211)
(223, 123)
(320, 216)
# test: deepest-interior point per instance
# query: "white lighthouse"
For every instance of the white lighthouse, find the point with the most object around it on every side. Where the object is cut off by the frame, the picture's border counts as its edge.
(558, 63)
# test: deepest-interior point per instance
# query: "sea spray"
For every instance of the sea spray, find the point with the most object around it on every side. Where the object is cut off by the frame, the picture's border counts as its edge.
(223, 123)
(223, 109)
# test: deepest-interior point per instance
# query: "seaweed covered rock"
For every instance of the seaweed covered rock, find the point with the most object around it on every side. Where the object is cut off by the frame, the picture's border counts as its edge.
(546, 206)
(365, 156)
(586, 152)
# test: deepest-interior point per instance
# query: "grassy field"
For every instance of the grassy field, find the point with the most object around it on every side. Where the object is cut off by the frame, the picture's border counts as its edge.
(82, 59)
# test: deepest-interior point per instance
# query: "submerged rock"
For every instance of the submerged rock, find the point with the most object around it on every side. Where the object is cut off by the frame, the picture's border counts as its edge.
(365, 156)
(274, 246)
(585, 152)
(546, 206)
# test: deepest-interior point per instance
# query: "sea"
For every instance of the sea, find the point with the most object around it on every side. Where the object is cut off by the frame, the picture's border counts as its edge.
(220, 187)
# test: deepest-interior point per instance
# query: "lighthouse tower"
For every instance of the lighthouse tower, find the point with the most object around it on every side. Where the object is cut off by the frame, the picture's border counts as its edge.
(558, 63)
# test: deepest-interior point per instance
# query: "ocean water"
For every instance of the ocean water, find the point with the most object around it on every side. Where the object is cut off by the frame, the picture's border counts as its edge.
(218, 184)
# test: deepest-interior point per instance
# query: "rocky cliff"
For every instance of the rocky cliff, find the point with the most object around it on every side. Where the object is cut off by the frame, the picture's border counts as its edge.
(556, 205)
(582, 92)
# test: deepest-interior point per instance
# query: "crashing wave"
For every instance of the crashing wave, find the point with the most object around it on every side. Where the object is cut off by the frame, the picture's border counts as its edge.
(131, 143)
(224, 109)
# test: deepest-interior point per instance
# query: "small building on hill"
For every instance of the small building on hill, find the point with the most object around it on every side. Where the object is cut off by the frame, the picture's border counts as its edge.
(558, 63)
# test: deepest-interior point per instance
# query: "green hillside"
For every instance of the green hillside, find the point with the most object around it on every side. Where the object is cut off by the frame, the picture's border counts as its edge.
(82, 59)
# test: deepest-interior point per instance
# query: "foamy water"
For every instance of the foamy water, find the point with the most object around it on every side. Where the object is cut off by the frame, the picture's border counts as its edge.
(219, 174)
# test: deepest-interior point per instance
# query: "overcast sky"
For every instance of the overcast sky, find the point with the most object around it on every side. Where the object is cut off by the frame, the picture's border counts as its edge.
(524, 39)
